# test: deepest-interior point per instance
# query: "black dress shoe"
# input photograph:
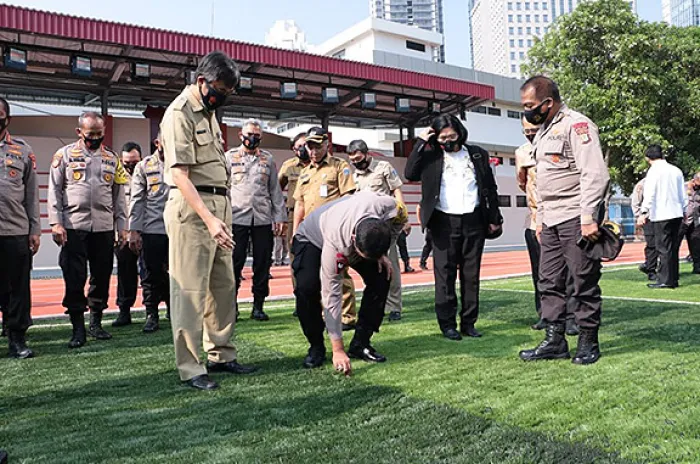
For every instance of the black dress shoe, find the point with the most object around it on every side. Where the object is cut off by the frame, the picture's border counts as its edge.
(658, 285)
(366, 353)
(424, 267)
(259, 315)
(152, 323)
(231, 367)
(394, 316)
(643, 268)
(202, 382)
(452, 334)
(470, 331)
(541, 325)
(123, 319)
(315, 358)
(348, 327)
(653, 277)
(408, 269)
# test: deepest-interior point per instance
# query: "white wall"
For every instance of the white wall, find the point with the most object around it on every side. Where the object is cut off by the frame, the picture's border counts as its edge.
(397, 44)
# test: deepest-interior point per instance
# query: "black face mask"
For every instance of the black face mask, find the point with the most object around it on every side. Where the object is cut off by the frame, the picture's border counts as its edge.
(251, 142)
(3, 124)
(530, 137)
(696, 187)
(361, 165)
(129, 167)
(213, 99)
(536, 115)
(303, 154)
(93, 144)
(451, 146)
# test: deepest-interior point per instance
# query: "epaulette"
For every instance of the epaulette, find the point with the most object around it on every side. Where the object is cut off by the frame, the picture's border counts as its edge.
(179, 102)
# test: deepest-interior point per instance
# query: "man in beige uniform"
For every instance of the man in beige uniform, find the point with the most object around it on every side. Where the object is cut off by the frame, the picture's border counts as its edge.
(349, 232)
(86, 205)
(258, 208)
(288, 177)
(380, 177)
(197, 221)
(572, 180)
(326, 179)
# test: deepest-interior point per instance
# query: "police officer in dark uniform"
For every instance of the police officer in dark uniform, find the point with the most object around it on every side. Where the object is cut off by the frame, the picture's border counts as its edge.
(86, 205)
(20, 233)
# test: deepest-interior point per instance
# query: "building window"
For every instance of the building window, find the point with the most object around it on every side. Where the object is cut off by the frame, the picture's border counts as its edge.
(504, 201)
(520, 200)
(411, 45)
(511, 31)
(528, 30)
(512, 68)
(479, 109)
(510, 6)
(510, 18)
(544, 5)
(536, 6)
(513, 114)
(527, 18)
(522, 55)
(512, 42)
(520, 18)
(529, 43)
(520, 31)
(537, 30)
(339, 54)
(527, 5)
(521, 43)
(545, 18)
(512, 56)
(511, 161)
(494, 111)
(537, 18)
(517, 6)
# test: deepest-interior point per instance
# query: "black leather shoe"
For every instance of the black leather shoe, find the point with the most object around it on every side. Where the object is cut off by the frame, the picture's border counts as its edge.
(202, 382)
(408, 269)
(79, 337)
(394, 316)
(152, 324)
(658, 285)
(315, 358)
(571, 328)
(123, 319)
(366, 353)
(232, 367)
(643, 268)
(470, 331)
(423, 266)
(540, 325)
(259, 315)
(588, 349)
(554, 346)
(18, 346)
(653, 277)
(452, 334)
(348, 327)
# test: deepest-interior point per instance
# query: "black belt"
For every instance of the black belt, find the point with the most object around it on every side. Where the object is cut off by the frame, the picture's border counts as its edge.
(223, 191)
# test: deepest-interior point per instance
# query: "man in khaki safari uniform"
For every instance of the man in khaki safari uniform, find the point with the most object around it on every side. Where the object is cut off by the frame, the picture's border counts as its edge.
(197, 220)
(327, 178)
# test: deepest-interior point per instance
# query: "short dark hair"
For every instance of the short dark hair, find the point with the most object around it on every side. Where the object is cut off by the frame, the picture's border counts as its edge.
(544, 88)
(296, 138)
(218, 66)
(6, 105)
(449, 120)
(128, 146)
(357, 145)
(654, 152)
(373, 238)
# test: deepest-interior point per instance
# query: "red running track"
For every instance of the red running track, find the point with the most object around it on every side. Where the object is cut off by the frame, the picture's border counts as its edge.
(47, 293)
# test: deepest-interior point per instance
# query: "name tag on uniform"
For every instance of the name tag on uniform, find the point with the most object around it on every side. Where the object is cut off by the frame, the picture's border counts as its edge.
(324, 191)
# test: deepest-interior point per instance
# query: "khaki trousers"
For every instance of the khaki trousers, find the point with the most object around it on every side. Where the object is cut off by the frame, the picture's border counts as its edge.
(290, 238)
(393, 300)
(202, 289)
(349, 311)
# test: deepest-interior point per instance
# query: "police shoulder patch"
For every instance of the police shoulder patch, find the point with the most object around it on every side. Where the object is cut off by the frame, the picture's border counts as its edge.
(346, 171)
(120, 175)
(57, 159)
(583, 131)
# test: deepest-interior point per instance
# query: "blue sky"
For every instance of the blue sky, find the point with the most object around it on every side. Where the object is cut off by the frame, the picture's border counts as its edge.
(249, 21)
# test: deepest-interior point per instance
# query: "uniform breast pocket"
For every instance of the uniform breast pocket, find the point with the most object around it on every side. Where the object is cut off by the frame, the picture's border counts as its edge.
(75, 173)
(14, 174)
(154, 185)
(206, 144)
(107, 175)
(262, 175)
(238, 174)
(555, 156)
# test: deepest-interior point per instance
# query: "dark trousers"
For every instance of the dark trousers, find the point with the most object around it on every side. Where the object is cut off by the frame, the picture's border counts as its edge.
(533, 251)
(15, 268)
(560, 258)
(127, 276)
(263, 243)
(307, 270)
(427, 247)
(695, 248)
(458, 243)
(95, 249)
(667, 245)
(156, 281)
(403, 248)
(651, 256)
(686, 232)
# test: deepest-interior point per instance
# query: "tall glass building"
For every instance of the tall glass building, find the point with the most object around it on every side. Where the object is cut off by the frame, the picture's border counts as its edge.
(681, 13)
(426, 14)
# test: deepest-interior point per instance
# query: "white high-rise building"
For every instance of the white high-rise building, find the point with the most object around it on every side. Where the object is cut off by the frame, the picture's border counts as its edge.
(286, 34)
(426, 14)
(502, 31)
(681, 13)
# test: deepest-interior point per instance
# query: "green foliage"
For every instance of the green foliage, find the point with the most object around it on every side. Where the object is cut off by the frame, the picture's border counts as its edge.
(638, 81)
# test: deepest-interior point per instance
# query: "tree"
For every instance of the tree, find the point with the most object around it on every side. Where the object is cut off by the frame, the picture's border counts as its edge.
(638, 81)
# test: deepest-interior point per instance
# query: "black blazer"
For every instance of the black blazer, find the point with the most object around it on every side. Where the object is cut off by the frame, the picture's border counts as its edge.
(425, 164)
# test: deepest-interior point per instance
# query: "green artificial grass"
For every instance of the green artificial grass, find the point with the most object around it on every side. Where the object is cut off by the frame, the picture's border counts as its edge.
(434, 401)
